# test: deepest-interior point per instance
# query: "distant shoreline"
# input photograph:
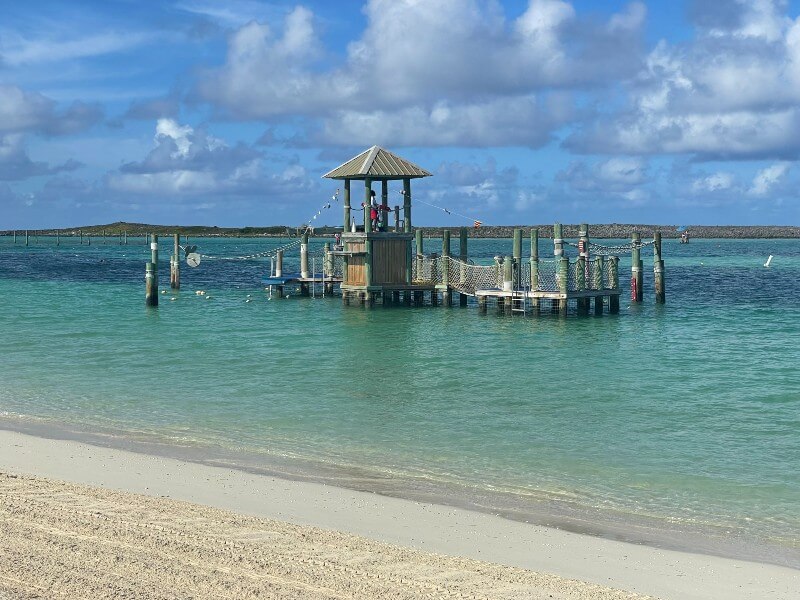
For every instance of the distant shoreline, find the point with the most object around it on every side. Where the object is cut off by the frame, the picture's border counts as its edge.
(612, 230)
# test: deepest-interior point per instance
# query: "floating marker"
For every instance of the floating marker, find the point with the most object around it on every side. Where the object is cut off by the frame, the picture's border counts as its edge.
(769, 260)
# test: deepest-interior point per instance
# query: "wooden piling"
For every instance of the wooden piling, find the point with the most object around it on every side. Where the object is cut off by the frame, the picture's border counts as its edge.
(150, 285)
(599, 266)
(367, 204)
(384, 213)
(482, 304)
(279, 263)
(558, 240)
(15, 236)
(407, 205)
(508, 274)
(446, 295)
(346, 206)
(462, 256)
(80, 233)
(613, 273)
(26, 237)
(516, 253)
(125, 237)
(658, 269)
(151, 275)
(304, 255)
(175, 264)
(396, 218)
(420, 251)
(562, 278)
(58, 239)
(637, 293)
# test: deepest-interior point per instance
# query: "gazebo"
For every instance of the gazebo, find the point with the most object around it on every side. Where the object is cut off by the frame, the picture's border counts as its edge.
(377, 261)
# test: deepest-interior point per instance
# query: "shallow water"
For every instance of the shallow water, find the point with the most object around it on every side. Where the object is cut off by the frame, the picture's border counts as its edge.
(662, 424)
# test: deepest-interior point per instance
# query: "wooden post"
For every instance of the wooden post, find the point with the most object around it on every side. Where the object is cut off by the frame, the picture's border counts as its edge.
(396, 218)
(637, 293)
(446, 295)
(58, 238)
(407, 205)
(482, 304)
(26, 237)
(304, 255)
(368, 266)
(599, 264)
(658, 269)
(516, 252)
(104, 237)
(508, 274)
(367, 204)
(462, 256)
(327, 287)
(80, 233)
(346, 206)
(150, 285)
(151, 275)
(384, 216)
(175, 265)
(279, 263)
(535, 268)
(558, 240)
(125, 237)
(562, 277)
(613, 273)
(418, 236)
(580, 283)
(15, 236)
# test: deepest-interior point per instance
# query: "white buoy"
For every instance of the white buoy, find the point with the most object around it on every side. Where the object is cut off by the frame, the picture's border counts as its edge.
(769, 260)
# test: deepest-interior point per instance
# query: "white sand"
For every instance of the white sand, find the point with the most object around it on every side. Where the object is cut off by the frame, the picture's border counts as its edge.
(422, 527)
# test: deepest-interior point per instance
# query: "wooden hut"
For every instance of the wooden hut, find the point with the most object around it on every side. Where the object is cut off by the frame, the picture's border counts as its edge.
(378, 259)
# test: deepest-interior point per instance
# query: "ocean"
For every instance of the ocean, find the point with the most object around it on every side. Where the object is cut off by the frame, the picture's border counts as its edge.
(673, 425)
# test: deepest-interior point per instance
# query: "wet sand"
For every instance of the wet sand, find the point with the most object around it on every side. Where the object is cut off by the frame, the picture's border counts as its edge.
(80, 521)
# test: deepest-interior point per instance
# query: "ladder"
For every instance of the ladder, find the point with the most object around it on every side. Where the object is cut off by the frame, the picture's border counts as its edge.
(519, 295)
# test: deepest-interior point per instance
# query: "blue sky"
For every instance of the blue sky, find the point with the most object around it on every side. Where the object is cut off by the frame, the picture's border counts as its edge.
(526, 111)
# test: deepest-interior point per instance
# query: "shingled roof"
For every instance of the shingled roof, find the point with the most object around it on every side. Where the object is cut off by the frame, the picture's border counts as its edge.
(377, 163)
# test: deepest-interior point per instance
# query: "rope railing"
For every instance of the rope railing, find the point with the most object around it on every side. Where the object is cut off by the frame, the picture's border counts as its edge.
(468, 278)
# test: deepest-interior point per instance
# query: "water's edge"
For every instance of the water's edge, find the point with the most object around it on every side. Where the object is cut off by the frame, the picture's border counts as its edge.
(558, 514)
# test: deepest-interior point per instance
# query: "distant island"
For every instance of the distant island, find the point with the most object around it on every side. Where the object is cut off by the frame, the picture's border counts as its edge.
(612, 230)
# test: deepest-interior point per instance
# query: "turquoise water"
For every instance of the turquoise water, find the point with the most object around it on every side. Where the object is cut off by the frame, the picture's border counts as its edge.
(674, 425)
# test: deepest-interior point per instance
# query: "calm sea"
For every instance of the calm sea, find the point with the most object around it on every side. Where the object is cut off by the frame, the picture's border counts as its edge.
(675, 425)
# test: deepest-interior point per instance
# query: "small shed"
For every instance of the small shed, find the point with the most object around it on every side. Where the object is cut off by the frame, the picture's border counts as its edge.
(378, 258)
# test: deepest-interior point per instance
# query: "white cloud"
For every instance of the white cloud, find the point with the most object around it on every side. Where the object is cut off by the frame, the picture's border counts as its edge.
(719, 181)
(22, 111)
(768, 178)
(734, 91)
(19, 51)
(448, 67)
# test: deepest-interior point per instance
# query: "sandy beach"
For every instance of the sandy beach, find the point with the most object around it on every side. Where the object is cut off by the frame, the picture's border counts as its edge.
(80, 521)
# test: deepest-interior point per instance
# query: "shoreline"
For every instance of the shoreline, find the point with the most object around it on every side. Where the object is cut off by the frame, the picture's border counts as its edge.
(426, 527)
(544, 511)
(596, 231)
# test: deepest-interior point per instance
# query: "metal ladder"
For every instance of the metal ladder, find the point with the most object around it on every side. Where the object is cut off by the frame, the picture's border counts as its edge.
(519, 295)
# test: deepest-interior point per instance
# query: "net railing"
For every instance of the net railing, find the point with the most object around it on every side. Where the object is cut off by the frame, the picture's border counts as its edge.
(468, 279)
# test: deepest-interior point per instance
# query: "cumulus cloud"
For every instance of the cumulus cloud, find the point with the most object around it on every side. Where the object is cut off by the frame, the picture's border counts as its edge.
(428, 72)
(769, 178)
(733, 92)
(16, 165)
(22, 111)
(517, 121)
(617, 175)
(191, 162)
(716, 182)
(471, 188)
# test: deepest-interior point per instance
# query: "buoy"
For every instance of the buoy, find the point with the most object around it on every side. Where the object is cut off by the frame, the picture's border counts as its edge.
(769, 260)
(173, 299)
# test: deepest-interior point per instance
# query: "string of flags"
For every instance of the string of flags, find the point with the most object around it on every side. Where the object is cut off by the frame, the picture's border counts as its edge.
(475, 223)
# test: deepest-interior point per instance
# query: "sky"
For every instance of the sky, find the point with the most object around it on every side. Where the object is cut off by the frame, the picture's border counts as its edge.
(229, 112)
